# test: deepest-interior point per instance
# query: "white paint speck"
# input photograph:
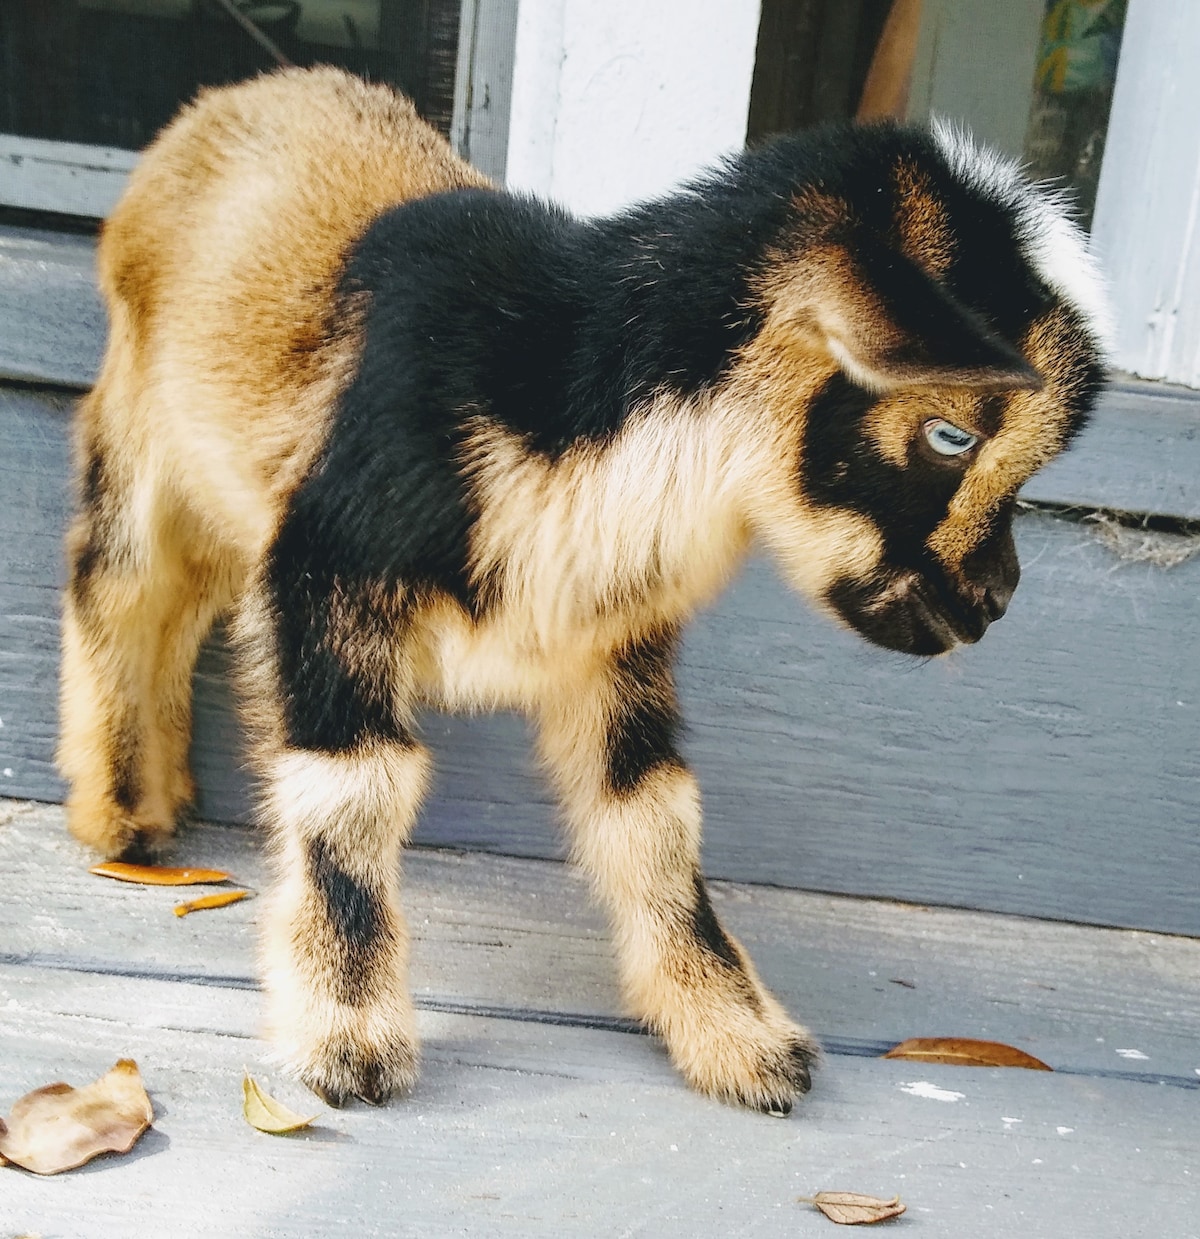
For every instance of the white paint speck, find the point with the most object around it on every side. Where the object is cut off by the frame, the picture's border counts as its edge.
(962, 1165)
(1133, 1054)
(674, 1148)
(923, 1088)
(8, 772)
(1037, 1161)
(1064, 1131)
(1008, 1122)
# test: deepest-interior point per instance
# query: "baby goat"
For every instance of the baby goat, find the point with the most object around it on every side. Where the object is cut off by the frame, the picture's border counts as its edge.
(439, 445)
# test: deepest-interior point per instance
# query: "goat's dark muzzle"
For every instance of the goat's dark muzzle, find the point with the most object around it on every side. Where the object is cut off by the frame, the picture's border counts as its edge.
(926, 612)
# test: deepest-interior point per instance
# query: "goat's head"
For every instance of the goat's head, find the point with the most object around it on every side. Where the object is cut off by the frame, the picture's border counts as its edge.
(932, 331)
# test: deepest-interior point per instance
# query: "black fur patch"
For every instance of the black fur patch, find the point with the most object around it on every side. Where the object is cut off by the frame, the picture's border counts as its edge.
(95, 552)
(94, 485)
(88, 560)
(356, 916)
(123, 765)
(329, 705)
(555, 327)
(708, 929)
(840, 468)
(477, 304)
(939, 332)
(645, 722)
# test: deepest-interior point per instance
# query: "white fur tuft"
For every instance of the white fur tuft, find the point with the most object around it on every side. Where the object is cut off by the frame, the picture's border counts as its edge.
(1052, 241)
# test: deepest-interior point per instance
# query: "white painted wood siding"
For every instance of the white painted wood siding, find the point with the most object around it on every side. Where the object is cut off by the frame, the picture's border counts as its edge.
(1148, 208)
(620, 101)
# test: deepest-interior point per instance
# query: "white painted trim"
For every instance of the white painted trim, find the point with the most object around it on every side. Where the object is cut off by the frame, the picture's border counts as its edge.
(483, 83)
(67, 177)
(537, 73)
(1147, 222)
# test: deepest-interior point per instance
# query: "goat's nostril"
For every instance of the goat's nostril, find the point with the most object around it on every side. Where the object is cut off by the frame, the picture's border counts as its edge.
(995, 600)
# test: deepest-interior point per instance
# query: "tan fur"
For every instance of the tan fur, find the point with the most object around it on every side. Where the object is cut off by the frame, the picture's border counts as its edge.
(777, 380)
(223, 368)
(925, 232)
(212, 403)
(1031, 434)
(895, 422)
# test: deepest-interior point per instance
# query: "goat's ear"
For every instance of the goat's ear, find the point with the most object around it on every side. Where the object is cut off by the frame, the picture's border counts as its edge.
(889, 325)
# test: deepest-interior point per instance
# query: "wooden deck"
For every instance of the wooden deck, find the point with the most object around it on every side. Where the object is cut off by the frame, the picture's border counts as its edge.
(540, 1112)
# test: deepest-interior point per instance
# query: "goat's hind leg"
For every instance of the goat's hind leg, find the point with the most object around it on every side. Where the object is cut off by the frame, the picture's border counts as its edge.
(140, 597)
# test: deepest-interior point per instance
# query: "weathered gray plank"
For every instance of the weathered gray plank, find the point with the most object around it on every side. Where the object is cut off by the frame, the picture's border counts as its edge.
(1051, 771)
(522, 1128)
(52, 320)
(34, 507)
(495, 933)
(519, 1129)
(1141, 453)
(68, 177)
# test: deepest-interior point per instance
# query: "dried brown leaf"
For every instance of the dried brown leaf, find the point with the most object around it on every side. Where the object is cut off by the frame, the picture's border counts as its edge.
(853, 1208)
(157, 875)
(219, 900)
(267, 1114)
(58, 1127)
(965, 1052)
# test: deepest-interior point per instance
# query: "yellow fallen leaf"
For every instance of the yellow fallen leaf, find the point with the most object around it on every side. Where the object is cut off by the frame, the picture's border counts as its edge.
(853, 1208)
(965, 1052)
(267, 1114)
(157, 875)
(58, 1127)
(219, 900)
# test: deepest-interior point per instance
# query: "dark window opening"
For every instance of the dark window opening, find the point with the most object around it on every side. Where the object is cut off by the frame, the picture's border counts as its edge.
(112, 72)
(1035, 80)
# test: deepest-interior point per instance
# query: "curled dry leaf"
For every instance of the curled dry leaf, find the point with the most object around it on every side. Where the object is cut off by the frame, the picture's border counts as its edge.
(965, 1052)
(267, 1114)
(157, 875)
(853, 1208)
(219, 900)
(58, 1127)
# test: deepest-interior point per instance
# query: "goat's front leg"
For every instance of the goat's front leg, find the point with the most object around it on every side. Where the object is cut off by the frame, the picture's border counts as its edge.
(634, 812)
(343, 781)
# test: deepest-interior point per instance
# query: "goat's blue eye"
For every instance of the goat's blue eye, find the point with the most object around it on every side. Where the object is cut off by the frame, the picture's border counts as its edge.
(947, 439)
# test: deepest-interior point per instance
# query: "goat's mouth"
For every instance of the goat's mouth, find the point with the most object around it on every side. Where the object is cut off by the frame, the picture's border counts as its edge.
(905, 611)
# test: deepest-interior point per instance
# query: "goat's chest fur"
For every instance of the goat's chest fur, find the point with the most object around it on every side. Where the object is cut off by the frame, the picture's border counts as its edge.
(568, 558)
